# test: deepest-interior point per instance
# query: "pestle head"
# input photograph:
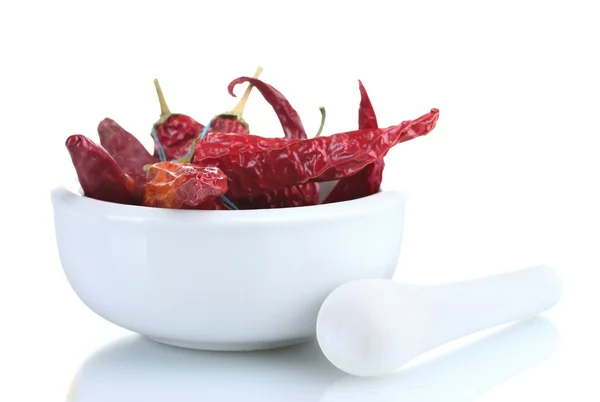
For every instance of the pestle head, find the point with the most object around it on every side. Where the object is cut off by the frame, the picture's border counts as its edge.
(371, 327)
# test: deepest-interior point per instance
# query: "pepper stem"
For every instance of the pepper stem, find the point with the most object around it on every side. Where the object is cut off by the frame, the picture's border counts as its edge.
(323, 115)
(239, 108)
(164, 109)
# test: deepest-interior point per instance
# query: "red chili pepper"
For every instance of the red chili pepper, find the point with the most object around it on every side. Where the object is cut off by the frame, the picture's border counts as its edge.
(293, 196)
(368, 180)
(232, 121)
(228, 124)
(289, 118)
(99, 174)
(173, 133)
(220, 144)
(127, 150)
(366, 112)
(256, 164)
(183, 186)
(301, 195)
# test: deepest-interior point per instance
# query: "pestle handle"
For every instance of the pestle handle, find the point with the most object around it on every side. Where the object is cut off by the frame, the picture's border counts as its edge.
(462, 308)
(373, 326)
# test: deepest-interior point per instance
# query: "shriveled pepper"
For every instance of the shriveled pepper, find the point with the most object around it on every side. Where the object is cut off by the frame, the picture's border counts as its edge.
(301, 195)
(257, 164)
(232, 121)
(183, 186)
(368, 180)
(229, 123)
(288, 117)
(127, 150)
(99, 174)
(173, 134)
(293, 196)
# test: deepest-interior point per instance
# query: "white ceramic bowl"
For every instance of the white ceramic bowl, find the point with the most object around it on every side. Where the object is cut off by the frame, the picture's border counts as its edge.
(222, 280)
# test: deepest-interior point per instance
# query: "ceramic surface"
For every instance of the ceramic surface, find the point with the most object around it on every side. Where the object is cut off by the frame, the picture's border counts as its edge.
(222, 280)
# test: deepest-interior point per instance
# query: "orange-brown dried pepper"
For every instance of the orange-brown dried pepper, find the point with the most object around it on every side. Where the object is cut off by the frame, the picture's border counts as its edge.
(183, 186)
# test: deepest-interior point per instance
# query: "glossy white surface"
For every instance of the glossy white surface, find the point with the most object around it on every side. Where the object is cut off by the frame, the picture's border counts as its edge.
(222, 280)
(372, 327)
(134, 369)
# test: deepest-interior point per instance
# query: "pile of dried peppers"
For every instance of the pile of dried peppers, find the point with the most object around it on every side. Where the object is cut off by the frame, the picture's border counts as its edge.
(222, 166)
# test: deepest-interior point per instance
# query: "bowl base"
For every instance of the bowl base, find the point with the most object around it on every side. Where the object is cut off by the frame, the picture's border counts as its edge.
(231, 346)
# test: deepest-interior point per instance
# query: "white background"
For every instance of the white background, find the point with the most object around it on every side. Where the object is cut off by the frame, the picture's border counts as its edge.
(509, 178)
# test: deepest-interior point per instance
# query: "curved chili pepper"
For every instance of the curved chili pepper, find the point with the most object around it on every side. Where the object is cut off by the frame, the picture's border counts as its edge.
(127, 151)
(288, 117)
(174, 134)
(183, 186)
(256, 164)
(368, 180)
(301, 195)
(99, 174)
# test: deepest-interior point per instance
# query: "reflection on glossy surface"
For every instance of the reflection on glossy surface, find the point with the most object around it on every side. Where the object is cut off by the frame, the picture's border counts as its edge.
(136, 369)
(461, 375)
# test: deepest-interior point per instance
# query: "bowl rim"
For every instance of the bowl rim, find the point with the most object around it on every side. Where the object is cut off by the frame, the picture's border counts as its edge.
(71, 195)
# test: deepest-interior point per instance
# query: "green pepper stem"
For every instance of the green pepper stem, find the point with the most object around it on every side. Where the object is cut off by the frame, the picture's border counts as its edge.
(323, 115)
(238, 110)
(164, 109)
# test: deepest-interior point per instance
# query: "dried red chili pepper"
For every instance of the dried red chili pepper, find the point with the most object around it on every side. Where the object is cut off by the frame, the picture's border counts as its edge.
(220, 144)
(232, 121)
(301, 195)
(256, 164)
(288, 117)
(368, 180)
(366, 113)
(127, 151)
(99, 174)
(183, 186)
(229, 123)
(293, 196)
(173, 134)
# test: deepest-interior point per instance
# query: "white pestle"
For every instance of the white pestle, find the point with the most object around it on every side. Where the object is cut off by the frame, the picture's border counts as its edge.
(370, 327)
